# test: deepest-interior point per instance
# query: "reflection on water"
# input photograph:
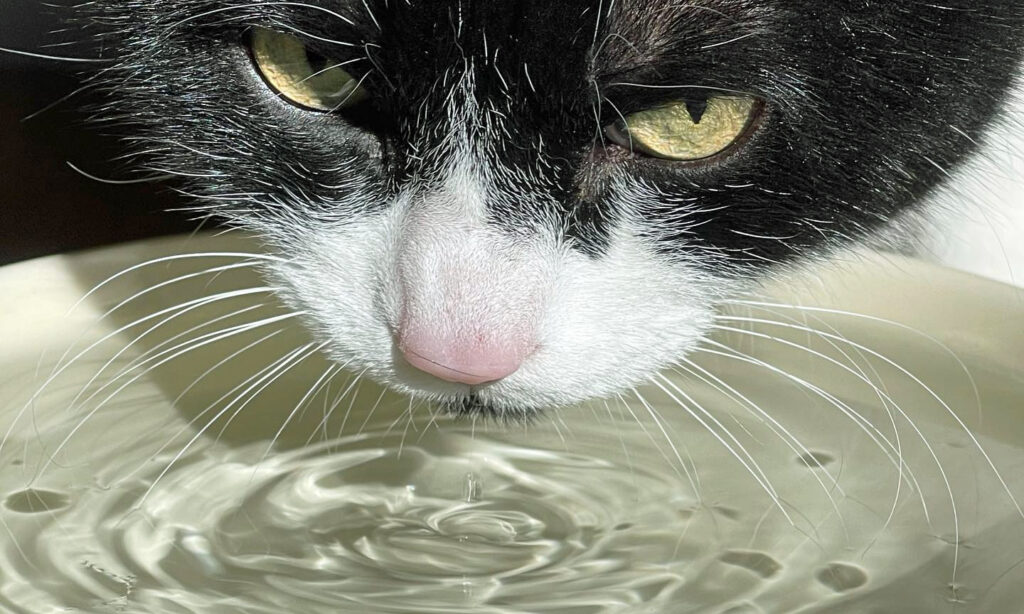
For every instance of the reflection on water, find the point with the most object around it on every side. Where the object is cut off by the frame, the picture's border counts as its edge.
(784, 470)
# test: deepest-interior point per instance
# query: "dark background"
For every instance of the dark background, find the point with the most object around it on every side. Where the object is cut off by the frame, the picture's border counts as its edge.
(45, 206)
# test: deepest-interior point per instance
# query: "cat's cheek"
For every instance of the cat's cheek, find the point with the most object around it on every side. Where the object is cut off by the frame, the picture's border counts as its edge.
(611, 324)
(336, 279)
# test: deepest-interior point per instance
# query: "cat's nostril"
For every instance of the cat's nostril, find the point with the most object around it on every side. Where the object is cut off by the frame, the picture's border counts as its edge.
(473, 364)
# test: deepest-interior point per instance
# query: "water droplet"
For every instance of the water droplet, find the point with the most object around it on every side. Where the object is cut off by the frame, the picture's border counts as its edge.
(958, 593)
(117, 583)
(472, 489)
(841, 577)
(816, 460)
(757, 562)
(35, 501)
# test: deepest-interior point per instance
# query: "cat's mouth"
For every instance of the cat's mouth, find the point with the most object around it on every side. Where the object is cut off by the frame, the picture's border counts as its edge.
(455, 399)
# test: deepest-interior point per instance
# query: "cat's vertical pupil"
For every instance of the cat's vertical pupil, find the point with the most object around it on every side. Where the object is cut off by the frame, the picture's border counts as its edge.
(316, 61)
(696, 109)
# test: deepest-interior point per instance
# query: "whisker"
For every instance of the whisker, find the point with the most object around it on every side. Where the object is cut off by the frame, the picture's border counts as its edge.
(174, 280)
(852, 314)
(912, 424)
(309, 350)
(358, 383)
(60, 368)
(224, 396)
(410, 422)
(237, 7)
(949, 410)
(884, 399)
(91, 177)
(174, 258)
(887, 447)
(435, 416)
(329, 405)
(692, 477)
(176, 352)
(750, 464)
(184, 307)
(281, 366)
(58, 58)
(141, 357)
(790, 440)
(369, 416)
(622, 437)
(189, 346)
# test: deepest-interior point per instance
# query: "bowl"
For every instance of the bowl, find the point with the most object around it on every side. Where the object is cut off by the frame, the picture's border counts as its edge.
(850, 438)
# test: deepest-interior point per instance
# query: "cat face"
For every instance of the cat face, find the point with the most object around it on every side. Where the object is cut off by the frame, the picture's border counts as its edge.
(508, 206)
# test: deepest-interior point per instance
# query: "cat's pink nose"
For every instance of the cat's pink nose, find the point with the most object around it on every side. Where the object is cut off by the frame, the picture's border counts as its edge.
(460, 361)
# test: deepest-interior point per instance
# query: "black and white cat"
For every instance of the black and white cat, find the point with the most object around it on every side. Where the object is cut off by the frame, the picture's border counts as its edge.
(509, 206)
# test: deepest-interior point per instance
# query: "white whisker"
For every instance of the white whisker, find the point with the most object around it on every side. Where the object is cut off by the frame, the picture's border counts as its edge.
(62, 366)
(909, 420)
(692, 477)
(790, 440)
(308, 350)
(175, 280)
(175, 352)
(888, 448)
(949, 410)
(276, 369)
(143, 356)
(880, 392)
(165, 259)
(746, 459)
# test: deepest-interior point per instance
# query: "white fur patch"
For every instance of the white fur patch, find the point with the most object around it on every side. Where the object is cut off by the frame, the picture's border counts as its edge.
(976, 221)
(602, 325)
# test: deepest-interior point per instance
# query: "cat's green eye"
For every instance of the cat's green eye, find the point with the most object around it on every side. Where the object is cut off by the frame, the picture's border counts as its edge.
(686, 131)
(302, 76)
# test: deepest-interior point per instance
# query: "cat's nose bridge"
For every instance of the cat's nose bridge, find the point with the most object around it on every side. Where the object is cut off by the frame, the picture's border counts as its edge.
(467, 323)
(470, 301)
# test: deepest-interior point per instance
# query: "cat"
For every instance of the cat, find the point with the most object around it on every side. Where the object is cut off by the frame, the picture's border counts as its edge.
(506, 207)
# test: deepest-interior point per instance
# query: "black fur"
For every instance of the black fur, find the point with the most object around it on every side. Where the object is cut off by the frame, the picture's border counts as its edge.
(869, 104)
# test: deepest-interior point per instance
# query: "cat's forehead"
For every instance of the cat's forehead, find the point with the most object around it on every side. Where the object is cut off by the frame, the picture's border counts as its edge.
(536, 59)
(604, 36)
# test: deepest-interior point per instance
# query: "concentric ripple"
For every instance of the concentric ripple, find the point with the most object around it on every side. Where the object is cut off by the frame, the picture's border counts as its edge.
(368, 522)
(610, 519)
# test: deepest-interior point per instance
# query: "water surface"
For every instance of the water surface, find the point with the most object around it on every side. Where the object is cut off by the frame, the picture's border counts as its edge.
(813, 462)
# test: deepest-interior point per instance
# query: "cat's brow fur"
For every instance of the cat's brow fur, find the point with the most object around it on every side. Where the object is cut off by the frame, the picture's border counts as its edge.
(485, 142)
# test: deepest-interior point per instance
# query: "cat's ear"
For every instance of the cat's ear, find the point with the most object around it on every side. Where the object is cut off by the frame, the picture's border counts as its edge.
(302, 76)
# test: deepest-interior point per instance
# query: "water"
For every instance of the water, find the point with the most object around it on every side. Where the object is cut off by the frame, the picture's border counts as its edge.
(144, 491)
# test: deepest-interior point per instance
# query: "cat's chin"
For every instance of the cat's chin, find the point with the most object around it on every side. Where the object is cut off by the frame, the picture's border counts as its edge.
(539, 388)
(473, 407)
(499, 402)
